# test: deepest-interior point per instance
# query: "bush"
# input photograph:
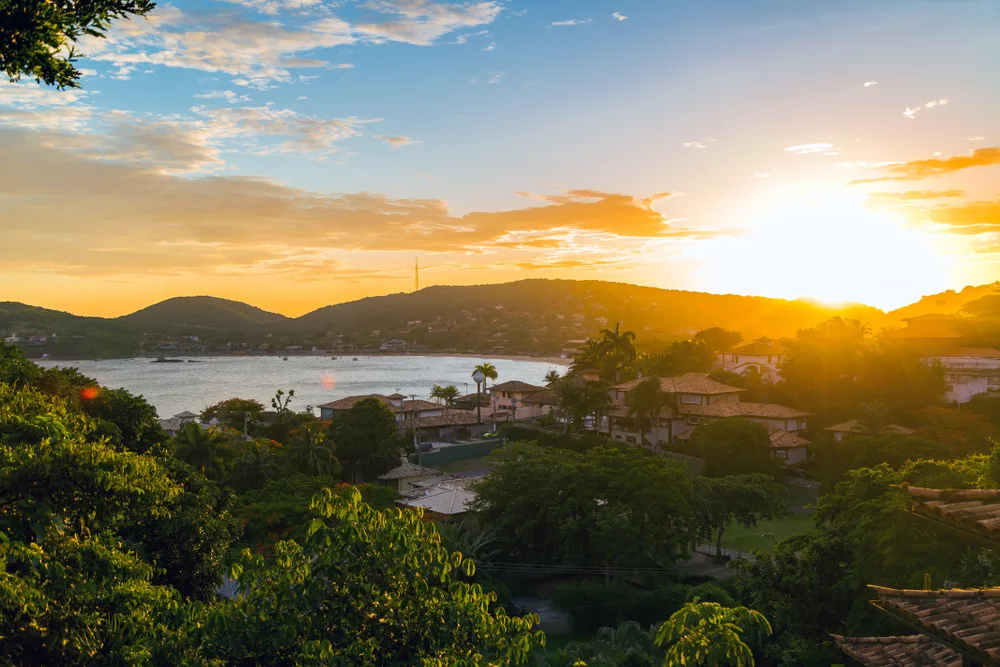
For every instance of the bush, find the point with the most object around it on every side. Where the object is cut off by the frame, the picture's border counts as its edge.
(593, 605)
(545, 438)
(709, 592)
(659, 604)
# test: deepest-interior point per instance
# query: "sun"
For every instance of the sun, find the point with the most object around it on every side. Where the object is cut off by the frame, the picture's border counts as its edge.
(828, 246)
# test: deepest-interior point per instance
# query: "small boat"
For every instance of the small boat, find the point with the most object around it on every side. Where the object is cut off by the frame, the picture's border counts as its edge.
(164, 360)
(194, 361)
(334, 358)
(284, 358)
(355, 359)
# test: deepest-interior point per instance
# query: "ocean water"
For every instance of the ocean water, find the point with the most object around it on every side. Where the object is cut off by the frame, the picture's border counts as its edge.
(176, 387)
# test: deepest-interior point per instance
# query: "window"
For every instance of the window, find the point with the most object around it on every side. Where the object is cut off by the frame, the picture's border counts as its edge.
(781, 454)
(692, 420)
(694, 399)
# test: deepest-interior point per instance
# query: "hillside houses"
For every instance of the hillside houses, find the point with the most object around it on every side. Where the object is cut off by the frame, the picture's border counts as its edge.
(698, 398)
(762, 356)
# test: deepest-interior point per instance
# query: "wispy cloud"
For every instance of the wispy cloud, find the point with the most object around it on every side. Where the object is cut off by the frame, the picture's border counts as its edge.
(571, 22)
(496, 77)
(920, 169)
(694, 144)
(975, 138)
(228, 95)
(618, 16)
(808, 149)
(912, 113)
(869, 84)
(397, 142)
(490, 47)
(422, 22)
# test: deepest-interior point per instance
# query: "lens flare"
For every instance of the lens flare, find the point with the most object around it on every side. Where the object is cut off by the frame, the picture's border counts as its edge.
(329, 382)
(89, 393)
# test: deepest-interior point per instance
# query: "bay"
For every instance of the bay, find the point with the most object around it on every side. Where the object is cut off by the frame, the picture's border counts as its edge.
(175, 387)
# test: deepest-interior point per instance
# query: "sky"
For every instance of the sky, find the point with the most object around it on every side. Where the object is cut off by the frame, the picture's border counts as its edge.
(298, 153)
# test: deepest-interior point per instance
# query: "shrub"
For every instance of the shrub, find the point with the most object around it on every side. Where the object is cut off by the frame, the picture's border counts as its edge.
(593, 605)
(660, 603)
(709, 592)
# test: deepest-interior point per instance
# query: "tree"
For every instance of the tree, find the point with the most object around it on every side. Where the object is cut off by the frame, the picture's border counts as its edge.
(578, 400)
(645, 404)
(378, 587)
(208, 450)
(551, 377)
(608, 506)
(234, 413)
(617, 348)
(281, 400)
(312, 452)
(628, 645)
(734, 446)
(744, 499)
(256, 464)
(135, 420)
(368, 440)
(718, 339)
(448, 393)
(831, 460)
(37, 37)
(706, 633)
(680, 357)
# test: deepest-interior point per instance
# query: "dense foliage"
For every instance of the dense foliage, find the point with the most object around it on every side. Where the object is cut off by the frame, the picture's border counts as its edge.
(735, 446)
(607, 506)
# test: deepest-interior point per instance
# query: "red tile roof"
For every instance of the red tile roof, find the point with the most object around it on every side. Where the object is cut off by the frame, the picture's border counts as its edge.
(542, 398)
(969, 619)
(855, 427)
(408, 406)
(689, 383)
(516, 385)
(905, 651)
(972, 510)
(759, 348)
(452, 418)
(785, 440)
(723, 409)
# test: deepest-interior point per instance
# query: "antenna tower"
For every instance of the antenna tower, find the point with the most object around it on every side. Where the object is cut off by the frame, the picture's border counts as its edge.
(416, 275)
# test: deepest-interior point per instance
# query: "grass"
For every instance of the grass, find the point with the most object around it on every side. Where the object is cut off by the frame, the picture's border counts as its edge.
(466, 464)
(745, 539)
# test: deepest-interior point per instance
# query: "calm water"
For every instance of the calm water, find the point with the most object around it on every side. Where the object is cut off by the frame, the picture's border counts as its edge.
(173, 388)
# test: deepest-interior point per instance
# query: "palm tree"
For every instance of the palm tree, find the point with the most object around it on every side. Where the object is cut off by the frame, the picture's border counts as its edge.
(257, 465)
(706, 633)
(312, 452)
(447, 394)
(645, 403)
(487, 369)
(618, 347)
(874, 416)
(551, 377)
(207, 450)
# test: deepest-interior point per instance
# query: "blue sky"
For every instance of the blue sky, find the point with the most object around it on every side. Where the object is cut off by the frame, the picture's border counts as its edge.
(504, 140)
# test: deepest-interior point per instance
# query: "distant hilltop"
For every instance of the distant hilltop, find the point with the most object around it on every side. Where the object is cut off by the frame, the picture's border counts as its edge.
(530, 317)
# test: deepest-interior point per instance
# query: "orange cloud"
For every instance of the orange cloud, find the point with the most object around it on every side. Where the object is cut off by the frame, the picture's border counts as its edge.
(915, 195)
(972, 218)
(921, 169)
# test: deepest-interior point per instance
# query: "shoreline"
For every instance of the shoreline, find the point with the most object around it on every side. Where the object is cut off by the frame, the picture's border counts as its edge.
(554, 361)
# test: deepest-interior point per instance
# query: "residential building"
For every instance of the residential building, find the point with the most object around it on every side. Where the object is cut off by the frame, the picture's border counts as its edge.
(930, 335)
(173, 425)
(696, 399)
(430, 420)
(509, 397)
(856, 427)
(402, 477)
(762, 356)
(442, 498)
(968, 372)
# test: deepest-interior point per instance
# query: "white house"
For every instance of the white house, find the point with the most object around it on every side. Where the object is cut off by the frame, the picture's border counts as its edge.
(968, 372)
(509, 397)
(761, 356)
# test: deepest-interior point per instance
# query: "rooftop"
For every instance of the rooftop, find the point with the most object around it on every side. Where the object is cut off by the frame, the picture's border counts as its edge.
(759, 348)
(349, 402)
(856, 427)
(689, 383)
(451, 418)
(904, 651)
(972, 352)
(407, 469)
(972, 511)
(443, 500)
(740, 409)
(542, 398)
(785, 440)
(516, 385)
(966, 619)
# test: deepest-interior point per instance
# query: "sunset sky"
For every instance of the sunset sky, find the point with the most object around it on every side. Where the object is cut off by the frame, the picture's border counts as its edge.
(297, 153)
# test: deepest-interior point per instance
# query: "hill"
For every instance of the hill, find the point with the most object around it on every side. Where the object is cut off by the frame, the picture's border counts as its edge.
(948, 302)
(540, 317)
(193, 314)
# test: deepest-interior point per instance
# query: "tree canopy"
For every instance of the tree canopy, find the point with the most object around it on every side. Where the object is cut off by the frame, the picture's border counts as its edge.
(735, 446)
(368, 440)
(37, 37)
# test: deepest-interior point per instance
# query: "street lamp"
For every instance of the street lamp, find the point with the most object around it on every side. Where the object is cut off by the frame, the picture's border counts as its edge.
(480, 378)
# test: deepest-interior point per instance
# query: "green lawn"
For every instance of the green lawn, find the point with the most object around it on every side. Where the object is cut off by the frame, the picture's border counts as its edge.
(466, 464)
(745, 539)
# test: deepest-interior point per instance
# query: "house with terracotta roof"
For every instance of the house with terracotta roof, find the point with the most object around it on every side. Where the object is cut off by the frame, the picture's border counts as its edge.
(957, 627)
(430, 420)
(698, 399)
(508, 397)
(856, 427)
(761, 356)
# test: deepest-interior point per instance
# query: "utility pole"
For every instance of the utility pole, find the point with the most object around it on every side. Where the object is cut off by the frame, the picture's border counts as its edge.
(416, 275)
(416, 445)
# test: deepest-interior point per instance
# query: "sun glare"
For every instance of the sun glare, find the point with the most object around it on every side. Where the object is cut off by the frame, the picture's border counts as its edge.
(829, 247)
